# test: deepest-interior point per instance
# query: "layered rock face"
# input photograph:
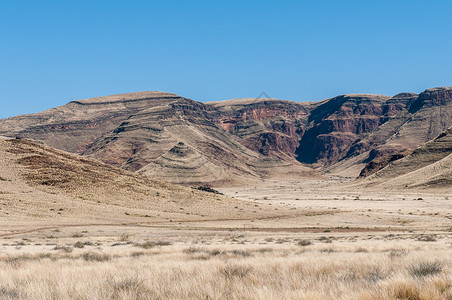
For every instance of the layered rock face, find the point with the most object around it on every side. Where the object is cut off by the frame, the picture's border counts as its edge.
(429, 165)
(142, 131)
(340, 122)
(172, 137)
(268, 126)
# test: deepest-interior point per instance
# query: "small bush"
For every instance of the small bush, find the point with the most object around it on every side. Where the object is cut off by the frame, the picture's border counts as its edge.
(361, 249)
(163, 243)
(150, 245)
(231, 271)
(397, 253)
(265, 250)
(427, 238)
(215, 252)
(129, 286)
(426, 269)
(194, 249)
(325, 239)
(146, 245)
(8, 293)
(327, 250)
(94, 256)
(304, 243)
(63, 248)
(241, 253)
(137, 254)
(79, 245)
(407, 291)
(124, 237)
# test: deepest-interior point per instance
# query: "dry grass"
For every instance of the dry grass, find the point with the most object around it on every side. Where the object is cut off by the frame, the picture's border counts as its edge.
(209, 272)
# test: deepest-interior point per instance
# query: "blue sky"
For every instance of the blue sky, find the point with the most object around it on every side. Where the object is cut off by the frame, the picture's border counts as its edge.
(52, 52)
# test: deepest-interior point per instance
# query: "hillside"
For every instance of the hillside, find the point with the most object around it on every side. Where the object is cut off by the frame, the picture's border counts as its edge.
(41, 185)
(428, 166)
(137, 131)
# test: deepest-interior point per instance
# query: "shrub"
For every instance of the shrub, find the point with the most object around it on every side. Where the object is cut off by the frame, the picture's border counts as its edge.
(427, 238)
(146, 245)
(327, 250)
(95, 256)
(124, 237)
(63, 248)
(193, 249)
(8, 293)
(426, 269)
(304, 243)
(242, 253)
(215, 252)
(397, 253)
(79, 245)
(150, 245)
(231, 271)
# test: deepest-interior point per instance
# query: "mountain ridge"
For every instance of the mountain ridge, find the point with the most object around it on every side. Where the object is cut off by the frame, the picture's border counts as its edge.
(338, 135)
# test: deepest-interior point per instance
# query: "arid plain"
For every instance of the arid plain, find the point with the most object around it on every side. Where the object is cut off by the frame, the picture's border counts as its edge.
(314, 241)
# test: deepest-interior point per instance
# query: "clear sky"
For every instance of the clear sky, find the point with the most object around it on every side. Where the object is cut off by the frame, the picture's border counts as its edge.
(52, 52)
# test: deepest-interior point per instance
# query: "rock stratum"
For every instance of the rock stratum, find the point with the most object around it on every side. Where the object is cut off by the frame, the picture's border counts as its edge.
(428, 166)
(226, 142)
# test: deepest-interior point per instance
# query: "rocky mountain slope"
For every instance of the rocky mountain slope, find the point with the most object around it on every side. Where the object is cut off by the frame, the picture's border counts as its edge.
(141, 131)
(41, 185)
(225, 142)
(428, 166)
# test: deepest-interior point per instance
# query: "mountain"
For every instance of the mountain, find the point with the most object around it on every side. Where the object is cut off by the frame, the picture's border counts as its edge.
(141, 131)
(406, 121)
(428, 166)
(40, 185)
(269, 126)
(233, 141)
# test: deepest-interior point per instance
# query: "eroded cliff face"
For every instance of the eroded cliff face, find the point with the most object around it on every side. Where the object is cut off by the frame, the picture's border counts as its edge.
(268, 126)
(338, 123)
(233, 138)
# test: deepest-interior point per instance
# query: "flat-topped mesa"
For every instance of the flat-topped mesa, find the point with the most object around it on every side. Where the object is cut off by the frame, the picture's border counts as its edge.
(136, 96)
(239, 102)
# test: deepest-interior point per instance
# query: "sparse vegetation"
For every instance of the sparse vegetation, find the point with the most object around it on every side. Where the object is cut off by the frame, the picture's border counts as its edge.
(427, 238)
(124, 237)
(426, 268)
(304, 243)
(96, 256)
(208, 272)
(208, 189)
(79, 245)
(149, 245)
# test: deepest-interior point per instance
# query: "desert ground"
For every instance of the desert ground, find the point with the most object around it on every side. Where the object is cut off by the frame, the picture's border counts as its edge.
(329, 241)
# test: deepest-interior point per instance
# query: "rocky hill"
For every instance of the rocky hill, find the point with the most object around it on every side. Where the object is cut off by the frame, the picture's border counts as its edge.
(226, 142)
(40, 185)
(428, 166)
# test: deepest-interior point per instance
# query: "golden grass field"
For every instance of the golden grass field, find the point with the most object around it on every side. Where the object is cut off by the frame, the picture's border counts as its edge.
(132, 263)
